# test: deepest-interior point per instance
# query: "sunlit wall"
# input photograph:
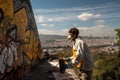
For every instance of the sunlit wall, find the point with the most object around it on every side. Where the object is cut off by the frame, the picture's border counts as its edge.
(19, 40)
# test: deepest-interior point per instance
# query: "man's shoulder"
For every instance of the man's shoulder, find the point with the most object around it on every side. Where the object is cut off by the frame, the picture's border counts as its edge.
(78, 40)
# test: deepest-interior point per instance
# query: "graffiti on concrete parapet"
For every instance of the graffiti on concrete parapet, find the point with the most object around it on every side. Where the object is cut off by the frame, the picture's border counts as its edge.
(19, 40)
(17, 5)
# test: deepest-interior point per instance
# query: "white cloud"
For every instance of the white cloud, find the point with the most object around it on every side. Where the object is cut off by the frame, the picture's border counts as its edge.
(100, 27)
(97, 15)
(98, 30)
(52, 32)
(91, 12)
(39, 18)
(60, 18)
(51, 25)
(43, 24)
(65, 30)
(44, 31)
(100, 21)
(57, 15)
(79, 9)
(47, 25)
(56, 18)
(87, 16)
(50, 19)
(83, 28)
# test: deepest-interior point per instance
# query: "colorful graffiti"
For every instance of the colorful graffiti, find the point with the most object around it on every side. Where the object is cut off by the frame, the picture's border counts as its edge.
(19, 41)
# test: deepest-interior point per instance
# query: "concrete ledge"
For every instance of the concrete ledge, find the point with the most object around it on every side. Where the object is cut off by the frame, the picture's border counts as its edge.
(68, 75)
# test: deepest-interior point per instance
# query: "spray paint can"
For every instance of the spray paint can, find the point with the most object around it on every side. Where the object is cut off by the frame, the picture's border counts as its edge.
(62, 65)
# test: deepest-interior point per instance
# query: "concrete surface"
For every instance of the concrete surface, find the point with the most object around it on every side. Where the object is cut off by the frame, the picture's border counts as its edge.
(49, 70)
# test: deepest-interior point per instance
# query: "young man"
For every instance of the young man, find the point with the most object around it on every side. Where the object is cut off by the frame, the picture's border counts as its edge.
(81, 57)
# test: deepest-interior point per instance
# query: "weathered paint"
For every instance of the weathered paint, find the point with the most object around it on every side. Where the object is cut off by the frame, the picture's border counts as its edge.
(19, 41)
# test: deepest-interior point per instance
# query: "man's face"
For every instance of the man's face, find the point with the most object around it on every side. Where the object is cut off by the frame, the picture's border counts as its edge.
(71, 37)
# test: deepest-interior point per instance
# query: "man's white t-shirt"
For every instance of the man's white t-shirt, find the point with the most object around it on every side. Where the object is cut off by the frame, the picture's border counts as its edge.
(82, 54)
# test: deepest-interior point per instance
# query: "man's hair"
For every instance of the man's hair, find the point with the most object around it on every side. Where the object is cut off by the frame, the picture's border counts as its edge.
(74, 31)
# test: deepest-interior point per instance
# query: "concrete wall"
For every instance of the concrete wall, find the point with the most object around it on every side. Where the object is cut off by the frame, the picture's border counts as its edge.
(19, 41)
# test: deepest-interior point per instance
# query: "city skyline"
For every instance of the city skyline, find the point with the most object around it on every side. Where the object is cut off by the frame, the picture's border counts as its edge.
(96, 18)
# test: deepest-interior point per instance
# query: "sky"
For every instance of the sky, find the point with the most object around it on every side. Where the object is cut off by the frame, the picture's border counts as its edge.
(91, 17)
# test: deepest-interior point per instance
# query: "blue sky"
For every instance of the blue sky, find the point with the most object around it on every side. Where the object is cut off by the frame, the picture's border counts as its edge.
(91, 17)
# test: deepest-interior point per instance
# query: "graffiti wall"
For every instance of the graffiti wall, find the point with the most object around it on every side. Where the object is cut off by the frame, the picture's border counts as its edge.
(19, 40)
